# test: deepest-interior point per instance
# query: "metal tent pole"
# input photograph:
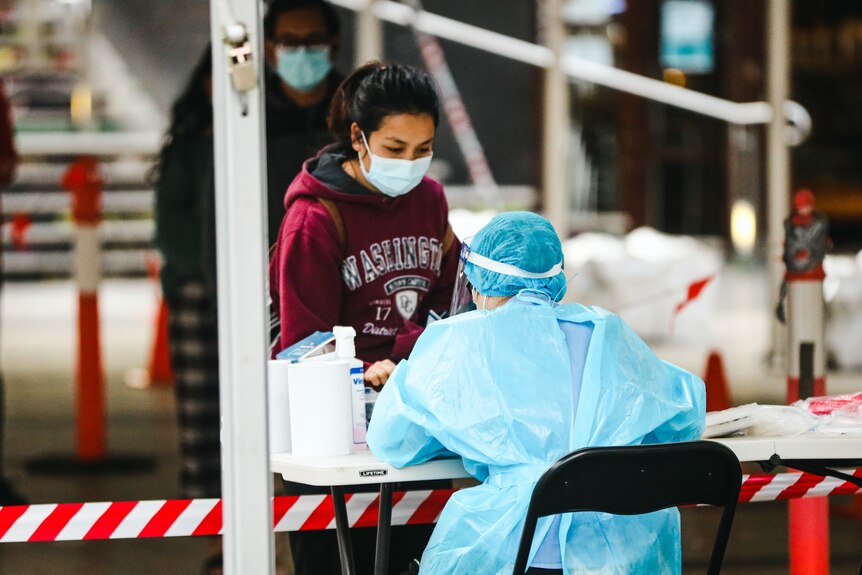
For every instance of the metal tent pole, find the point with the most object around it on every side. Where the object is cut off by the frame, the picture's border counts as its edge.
(808, 520)
(241, 259)
(555, 119)
(777, 159)
(369, 35)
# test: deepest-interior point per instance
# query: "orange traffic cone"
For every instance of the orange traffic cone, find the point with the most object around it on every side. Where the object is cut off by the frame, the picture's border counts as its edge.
(161, 372)
(717, 392)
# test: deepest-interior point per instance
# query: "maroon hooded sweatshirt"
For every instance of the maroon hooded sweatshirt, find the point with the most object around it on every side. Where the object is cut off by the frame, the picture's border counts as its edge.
(393, 260)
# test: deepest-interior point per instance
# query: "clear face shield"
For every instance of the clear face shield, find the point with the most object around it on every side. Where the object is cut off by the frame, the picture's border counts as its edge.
(462, 297)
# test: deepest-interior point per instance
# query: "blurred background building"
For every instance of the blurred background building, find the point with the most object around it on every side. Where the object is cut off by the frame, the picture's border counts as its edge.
(77, 68)
(116, 66)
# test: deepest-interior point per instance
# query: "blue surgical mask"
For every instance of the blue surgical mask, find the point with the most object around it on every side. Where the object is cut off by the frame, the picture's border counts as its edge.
(392, 176)
(303, 68)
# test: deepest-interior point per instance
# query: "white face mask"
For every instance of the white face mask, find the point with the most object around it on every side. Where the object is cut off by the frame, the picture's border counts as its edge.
(391, 176)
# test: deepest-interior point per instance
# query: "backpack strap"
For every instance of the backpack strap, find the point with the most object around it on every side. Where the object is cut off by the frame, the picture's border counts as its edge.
(448, 238)
(335, 214)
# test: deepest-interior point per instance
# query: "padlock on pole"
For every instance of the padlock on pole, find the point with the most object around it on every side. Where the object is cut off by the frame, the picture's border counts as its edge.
(241, 66)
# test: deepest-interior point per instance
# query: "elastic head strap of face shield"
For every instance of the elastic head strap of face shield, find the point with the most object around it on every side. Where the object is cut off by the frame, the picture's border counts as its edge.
(468, 255)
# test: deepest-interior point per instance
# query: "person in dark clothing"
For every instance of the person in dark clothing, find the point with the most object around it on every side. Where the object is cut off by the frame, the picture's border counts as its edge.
(302, 39)
(185, 236)
(366, 242)
(8, 165)
(184, 189)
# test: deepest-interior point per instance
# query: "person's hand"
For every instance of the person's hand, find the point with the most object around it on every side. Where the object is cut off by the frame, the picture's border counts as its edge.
(379, 372)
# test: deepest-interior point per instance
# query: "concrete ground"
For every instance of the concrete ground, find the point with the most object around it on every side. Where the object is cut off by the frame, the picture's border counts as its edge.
(38, 361)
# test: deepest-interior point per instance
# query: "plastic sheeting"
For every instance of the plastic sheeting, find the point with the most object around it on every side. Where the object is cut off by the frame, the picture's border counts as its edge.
(496, 388)
(843, 292)
(643, 277)
(829, 414)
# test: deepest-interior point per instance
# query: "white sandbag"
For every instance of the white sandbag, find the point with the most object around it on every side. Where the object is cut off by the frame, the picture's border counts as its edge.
(843, 292)
(644, 277)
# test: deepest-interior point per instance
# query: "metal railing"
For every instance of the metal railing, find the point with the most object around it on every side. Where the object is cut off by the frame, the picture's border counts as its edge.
(578, 68)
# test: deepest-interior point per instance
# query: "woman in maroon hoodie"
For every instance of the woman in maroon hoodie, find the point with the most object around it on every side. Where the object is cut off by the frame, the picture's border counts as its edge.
(366, 242)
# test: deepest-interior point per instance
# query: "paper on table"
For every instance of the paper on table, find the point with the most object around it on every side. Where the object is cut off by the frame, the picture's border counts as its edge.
(760, 421)
(278, 404)
(730, 421)
(320, 409)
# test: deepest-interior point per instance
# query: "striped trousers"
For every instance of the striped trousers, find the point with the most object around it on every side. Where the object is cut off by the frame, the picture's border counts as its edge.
(193, 326)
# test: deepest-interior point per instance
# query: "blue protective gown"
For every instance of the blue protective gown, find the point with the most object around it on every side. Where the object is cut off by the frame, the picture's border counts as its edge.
(495, 388)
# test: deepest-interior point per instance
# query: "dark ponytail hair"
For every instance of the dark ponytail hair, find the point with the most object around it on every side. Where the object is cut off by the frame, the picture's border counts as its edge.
(375, 91)
(191, 113)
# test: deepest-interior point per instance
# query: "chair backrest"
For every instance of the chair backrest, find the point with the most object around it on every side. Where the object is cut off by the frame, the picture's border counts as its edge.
(638, 479)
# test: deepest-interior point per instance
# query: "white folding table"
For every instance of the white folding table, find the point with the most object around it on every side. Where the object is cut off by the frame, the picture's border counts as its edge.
(361, 469)
(811, 453)
(813, 447)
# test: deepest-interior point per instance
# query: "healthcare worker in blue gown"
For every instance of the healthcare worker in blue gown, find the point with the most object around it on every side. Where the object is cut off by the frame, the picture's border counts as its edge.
(514, 385)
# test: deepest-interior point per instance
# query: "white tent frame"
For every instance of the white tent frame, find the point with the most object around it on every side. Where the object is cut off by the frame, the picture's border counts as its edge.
(242, 304)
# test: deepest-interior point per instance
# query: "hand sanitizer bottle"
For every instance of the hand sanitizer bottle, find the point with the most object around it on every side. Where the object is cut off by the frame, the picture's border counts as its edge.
(345, 350)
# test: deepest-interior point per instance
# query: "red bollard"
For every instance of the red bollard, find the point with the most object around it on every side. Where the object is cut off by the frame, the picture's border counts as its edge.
(84, 182)
(806, 243)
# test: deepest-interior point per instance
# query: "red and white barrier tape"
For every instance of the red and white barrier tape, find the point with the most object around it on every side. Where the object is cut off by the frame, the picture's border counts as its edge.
(783, 486)
(192, 517)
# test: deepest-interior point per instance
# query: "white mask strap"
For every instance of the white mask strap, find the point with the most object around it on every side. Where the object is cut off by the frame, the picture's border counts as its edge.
(557, 297)
(364, 141)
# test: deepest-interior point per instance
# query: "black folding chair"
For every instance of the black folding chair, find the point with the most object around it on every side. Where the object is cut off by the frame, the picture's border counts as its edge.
(638, 479)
